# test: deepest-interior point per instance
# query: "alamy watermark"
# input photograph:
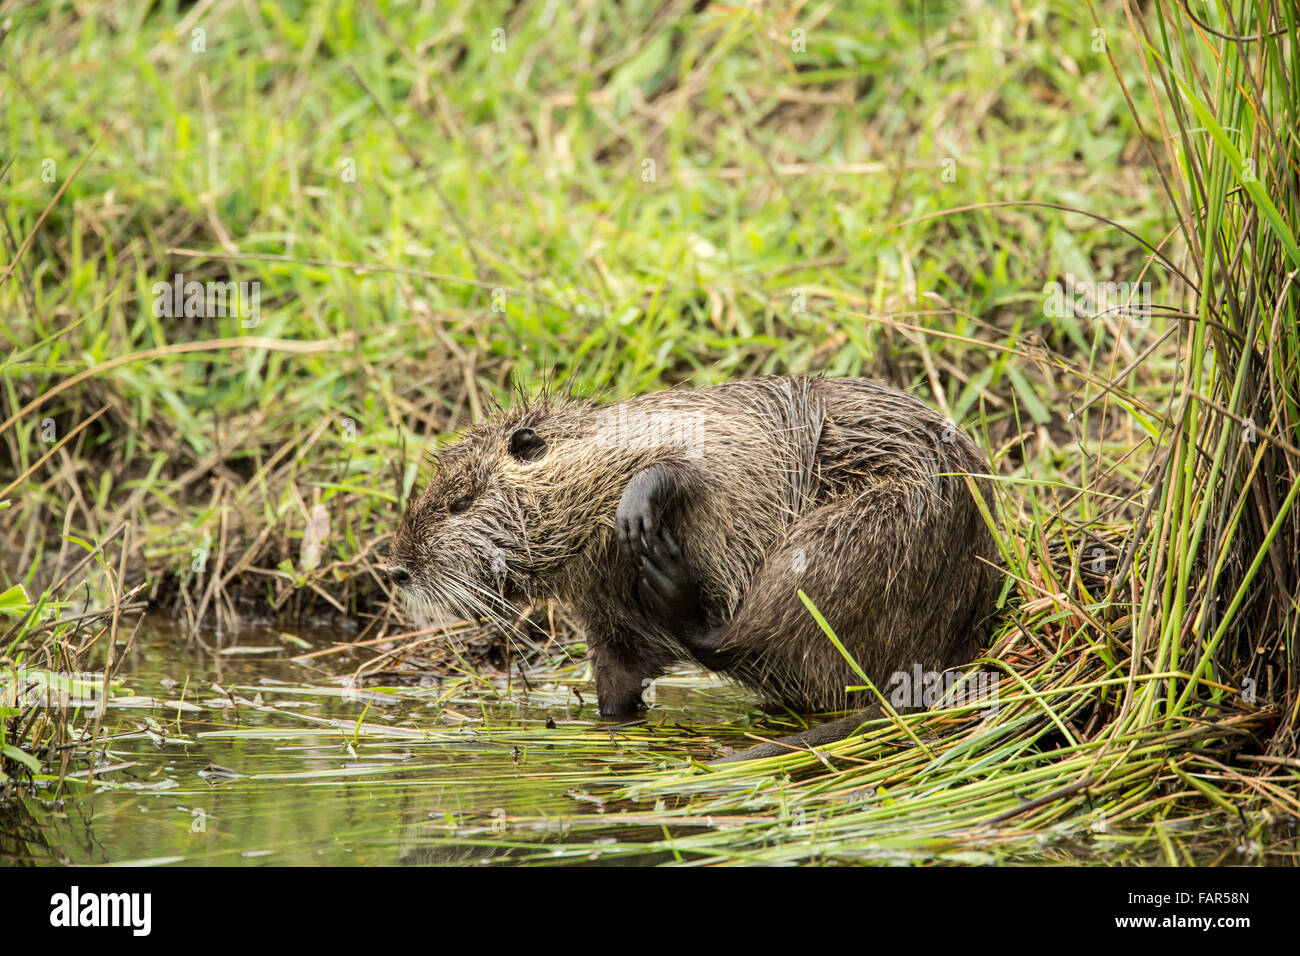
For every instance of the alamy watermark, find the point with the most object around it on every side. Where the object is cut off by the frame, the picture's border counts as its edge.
(952, 688)
(22, 688)
(624, 428)
(209, 300)
(74, 908)
(1086, 299)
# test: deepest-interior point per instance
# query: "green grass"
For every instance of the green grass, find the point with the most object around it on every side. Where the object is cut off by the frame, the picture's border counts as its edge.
(780, 182)
(891, 201)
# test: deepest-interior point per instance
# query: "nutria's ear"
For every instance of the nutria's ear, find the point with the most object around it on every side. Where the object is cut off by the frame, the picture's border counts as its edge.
(527, 445)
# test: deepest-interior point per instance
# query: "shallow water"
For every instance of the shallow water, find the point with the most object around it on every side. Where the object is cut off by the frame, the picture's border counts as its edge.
(253, 758)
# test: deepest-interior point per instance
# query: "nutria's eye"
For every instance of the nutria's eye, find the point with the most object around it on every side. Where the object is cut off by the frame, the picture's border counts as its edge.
(460, 504)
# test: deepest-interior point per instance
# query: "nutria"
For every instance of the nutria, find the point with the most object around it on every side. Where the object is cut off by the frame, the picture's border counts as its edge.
(680, 526)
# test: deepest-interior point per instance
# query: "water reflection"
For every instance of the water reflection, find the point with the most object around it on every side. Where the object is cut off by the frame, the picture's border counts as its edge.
(258, 759)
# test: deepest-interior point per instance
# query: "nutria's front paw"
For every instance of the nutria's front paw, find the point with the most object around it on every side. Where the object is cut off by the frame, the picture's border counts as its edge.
(624, 709)
(668, 589)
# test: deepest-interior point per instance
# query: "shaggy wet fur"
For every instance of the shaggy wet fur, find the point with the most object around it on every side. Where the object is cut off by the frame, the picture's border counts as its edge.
(846, 489)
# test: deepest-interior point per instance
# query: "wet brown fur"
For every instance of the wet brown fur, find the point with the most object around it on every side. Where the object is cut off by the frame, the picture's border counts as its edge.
(847, 489)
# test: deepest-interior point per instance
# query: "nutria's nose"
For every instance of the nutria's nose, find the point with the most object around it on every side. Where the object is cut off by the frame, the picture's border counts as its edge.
(399, 575)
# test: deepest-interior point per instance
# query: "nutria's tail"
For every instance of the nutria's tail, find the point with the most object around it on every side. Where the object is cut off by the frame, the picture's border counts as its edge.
(812, 737)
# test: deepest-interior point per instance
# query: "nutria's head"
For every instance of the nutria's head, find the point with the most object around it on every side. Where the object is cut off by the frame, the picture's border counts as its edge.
(509, 507)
